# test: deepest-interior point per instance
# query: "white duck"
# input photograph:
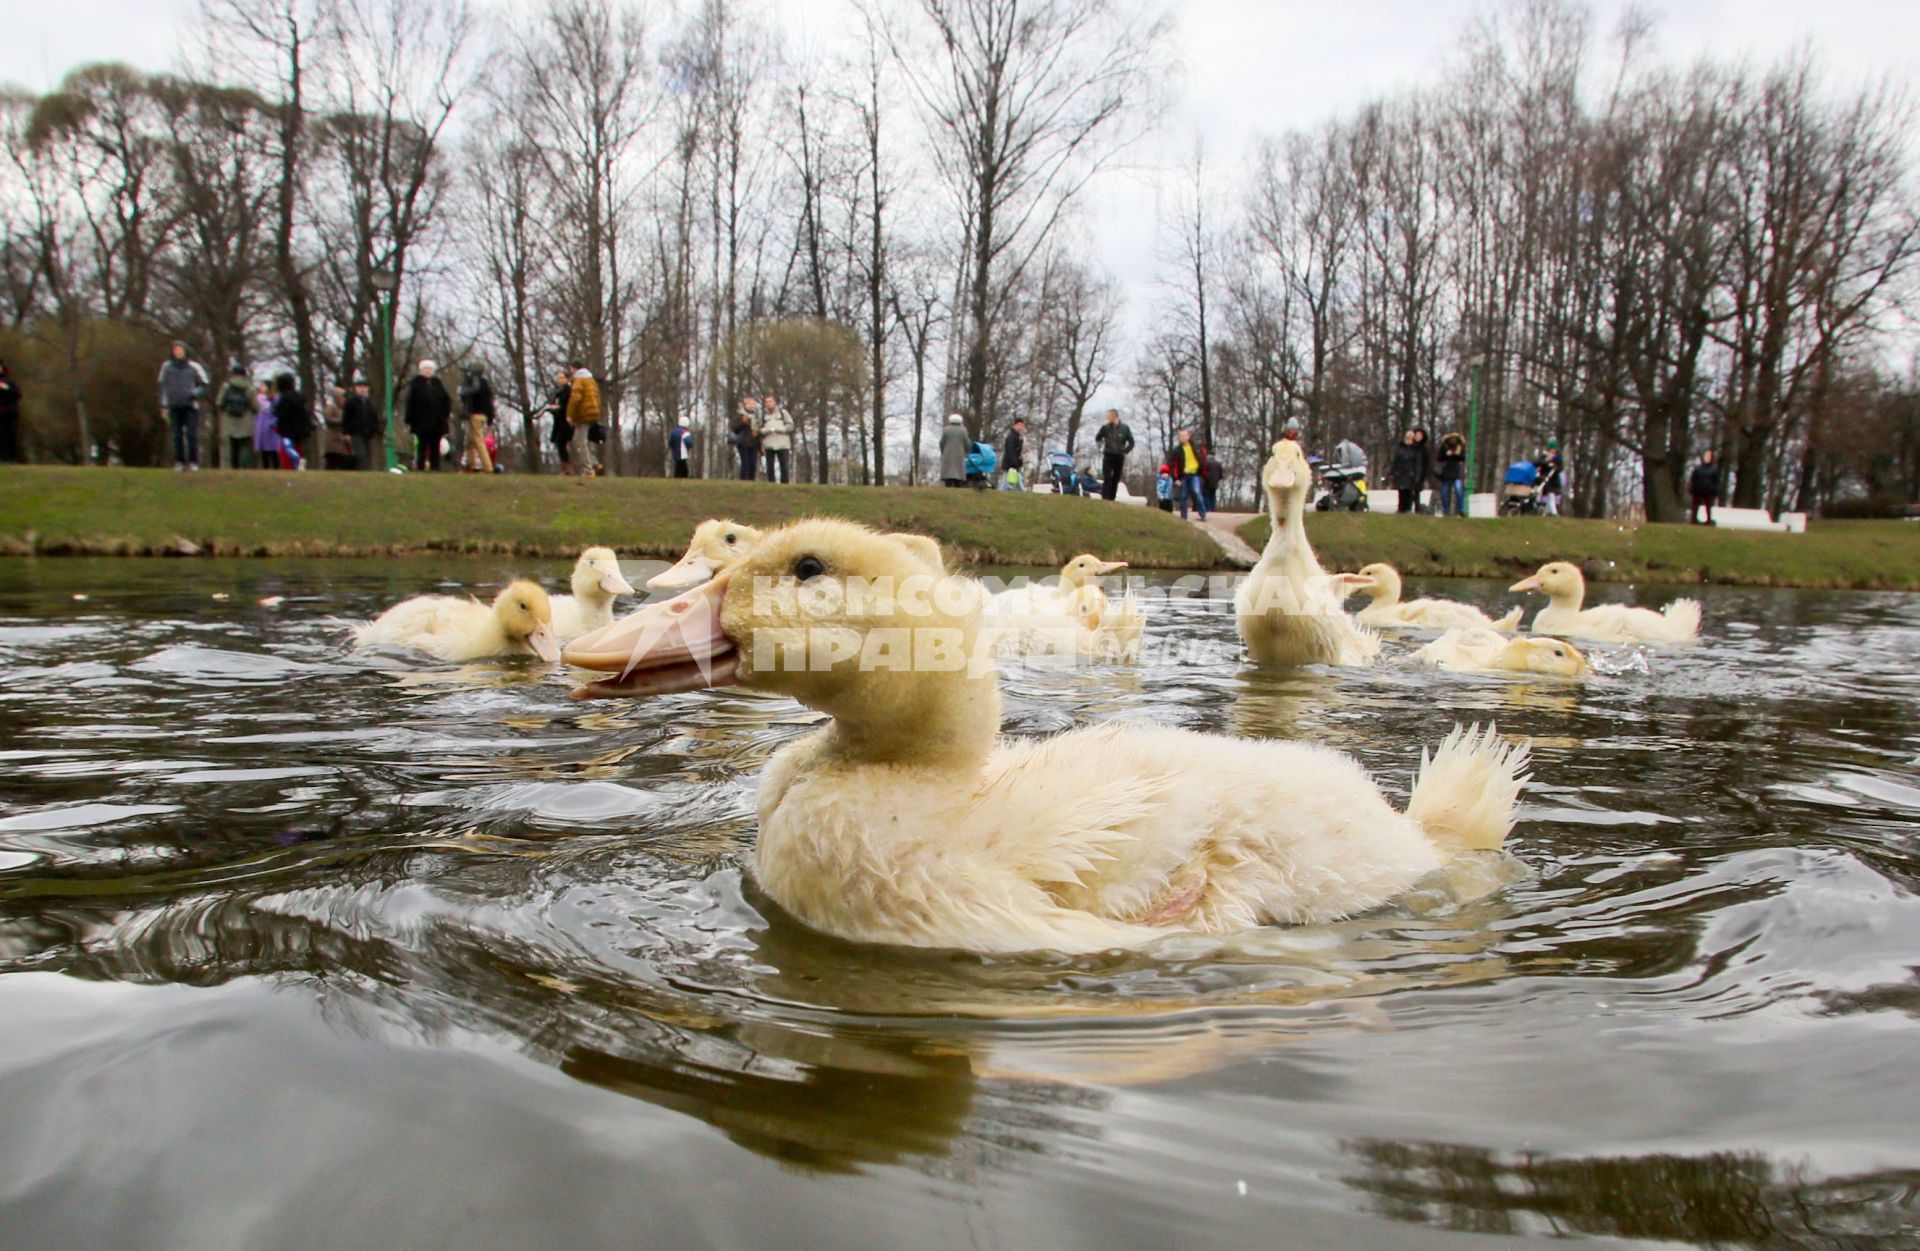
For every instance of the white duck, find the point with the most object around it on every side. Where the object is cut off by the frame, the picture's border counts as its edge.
(1288, 610)
(1481, 650)
(1074, 617)
(448, 627)
(1565, 588)
(907, 820)
(1381, 583)
(597, 582)
(717, 544)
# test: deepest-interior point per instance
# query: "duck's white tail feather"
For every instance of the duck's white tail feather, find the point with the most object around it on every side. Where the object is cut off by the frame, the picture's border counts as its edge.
(1684, 616)
(1466, 792)
(1511, 622)
(1121, 629)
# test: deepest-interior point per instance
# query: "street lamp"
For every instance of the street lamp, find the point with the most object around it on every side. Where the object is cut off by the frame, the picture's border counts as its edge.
(1474, 362)
(386, 282)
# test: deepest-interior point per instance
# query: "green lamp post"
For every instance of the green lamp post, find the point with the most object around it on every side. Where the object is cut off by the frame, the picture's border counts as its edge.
(386, 282)
(1474, 362)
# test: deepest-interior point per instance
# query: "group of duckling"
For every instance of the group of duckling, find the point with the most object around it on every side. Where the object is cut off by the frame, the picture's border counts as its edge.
(1291, 611)
(909, 819)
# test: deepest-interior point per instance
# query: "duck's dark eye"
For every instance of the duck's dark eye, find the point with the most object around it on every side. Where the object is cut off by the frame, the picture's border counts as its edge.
(729, 538)
(808, 567)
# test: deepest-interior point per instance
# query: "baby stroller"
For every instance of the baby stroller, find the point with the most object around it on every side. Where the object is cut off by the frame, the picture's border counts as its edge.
(981, 462)
(1060, 471)
(1520, 492)
(1343, 480)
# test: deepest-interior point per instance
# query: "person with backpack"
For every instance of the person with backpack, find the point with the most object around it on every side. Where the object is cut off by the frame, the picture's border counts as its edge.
(429, 409)
(583, 409)
(182, 384)
(746, 443)
(680, 448)
(236, 408)
(1115, 440)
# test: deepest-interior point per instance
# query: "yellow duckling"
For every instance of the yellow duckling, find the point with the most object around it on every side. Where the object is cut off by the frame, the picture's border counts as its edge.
(1288, 610)
(1480, 650)
(717, 544)
(447, 627)
(1562, 583)
(1073, 618)
(597, 582)
(1381, 583)
(908, 820)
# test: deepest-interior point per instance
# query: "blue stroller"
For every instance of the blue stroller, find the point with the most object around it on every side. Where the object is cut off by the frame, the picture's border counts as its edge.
(1520, 493)
(981, 462)
(1060, 470)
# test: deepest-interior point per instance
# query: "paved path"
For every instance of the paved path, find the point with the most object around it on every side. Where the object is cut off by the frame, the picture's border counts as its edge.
(1220, 528)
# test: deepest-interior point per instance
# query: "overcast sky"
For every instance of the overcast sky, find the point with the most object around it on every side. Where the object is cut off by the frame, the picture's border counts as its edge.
(1250, 67)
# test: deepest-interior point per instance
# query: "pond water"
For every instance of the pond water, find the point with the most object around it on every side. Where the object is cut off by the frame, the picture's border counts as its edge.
(299, 948)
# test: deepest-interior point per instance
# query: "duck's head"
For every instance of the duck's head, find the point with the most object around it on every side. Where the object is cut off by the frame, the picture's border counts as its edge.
(526, 616)
(717, 544)
(1557, 579)
(596, 575)
(1286, 478)
(1379, 581)
(1544, 655)
(862, 625)
(1087, 570)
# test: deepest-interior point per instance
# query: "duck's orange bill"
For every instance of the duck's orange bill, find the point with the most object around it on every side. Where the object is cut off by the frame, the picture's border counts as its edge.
(676, 645)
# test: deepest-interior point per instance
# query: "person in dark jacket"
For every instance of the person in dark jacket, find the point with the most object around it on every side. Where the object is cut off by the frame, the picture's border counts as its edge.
(1210, 475)
(429, 410)
(745, 442)
(291, 417)
(9, 418)
(1014, 455)
(1409, 470)
(476, 404)
(1553, 479)
(1703, 484)
(1451, 469)
(1114, 440)
(561, 435)
(1188, 461)
(360, 424)
(680, 449)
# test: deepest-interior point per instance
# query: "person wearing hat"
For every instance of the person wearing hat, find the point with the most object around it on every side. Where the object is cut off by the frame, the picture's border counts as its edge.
(429, 409)
(953, 451)
(360, 424)
(235, 404)
(1552, 479)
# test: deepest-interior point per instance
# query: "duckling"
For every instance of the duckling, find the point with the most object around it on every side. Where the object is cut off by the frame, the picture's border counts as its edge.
(1562, 583)
(908, 820)
(1074, 618)
(1288, 609)
(1382, 584)
(447, 627)
(717, 544)
(1479, 650)
(597, 582)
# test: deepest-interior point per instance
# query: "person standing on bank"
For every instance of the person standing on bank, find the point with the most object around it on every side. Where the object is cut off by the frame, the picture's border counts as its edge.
(583, 409)
(1409, 470)
(1114, 440)
(561, 434)
(429, 409)
(1553, 479)
(680, 448)
(182, 383)
(746, 444)
(236, 408)
(776, 438)
(1188, 461)
(1451, 470)
(1015, 455)
(476, 397)
(360, 424)
(953, 451)
(1703, 485)
(9, 418)
(292, 418)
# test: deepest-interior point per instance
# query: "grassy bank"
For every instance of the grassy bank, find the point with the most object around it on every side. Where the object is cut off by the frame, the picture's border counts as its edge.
(69, 511)
(1864, 555)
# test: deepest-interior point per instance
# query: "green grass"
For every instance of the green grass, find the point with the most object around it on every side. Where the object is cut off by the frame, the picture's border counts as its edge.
(72, 511)
(1863, 555)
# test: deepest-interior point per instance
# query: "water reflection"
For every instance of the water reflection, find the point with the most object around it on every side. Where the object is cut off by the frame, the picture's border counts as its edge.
(1714, 883)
